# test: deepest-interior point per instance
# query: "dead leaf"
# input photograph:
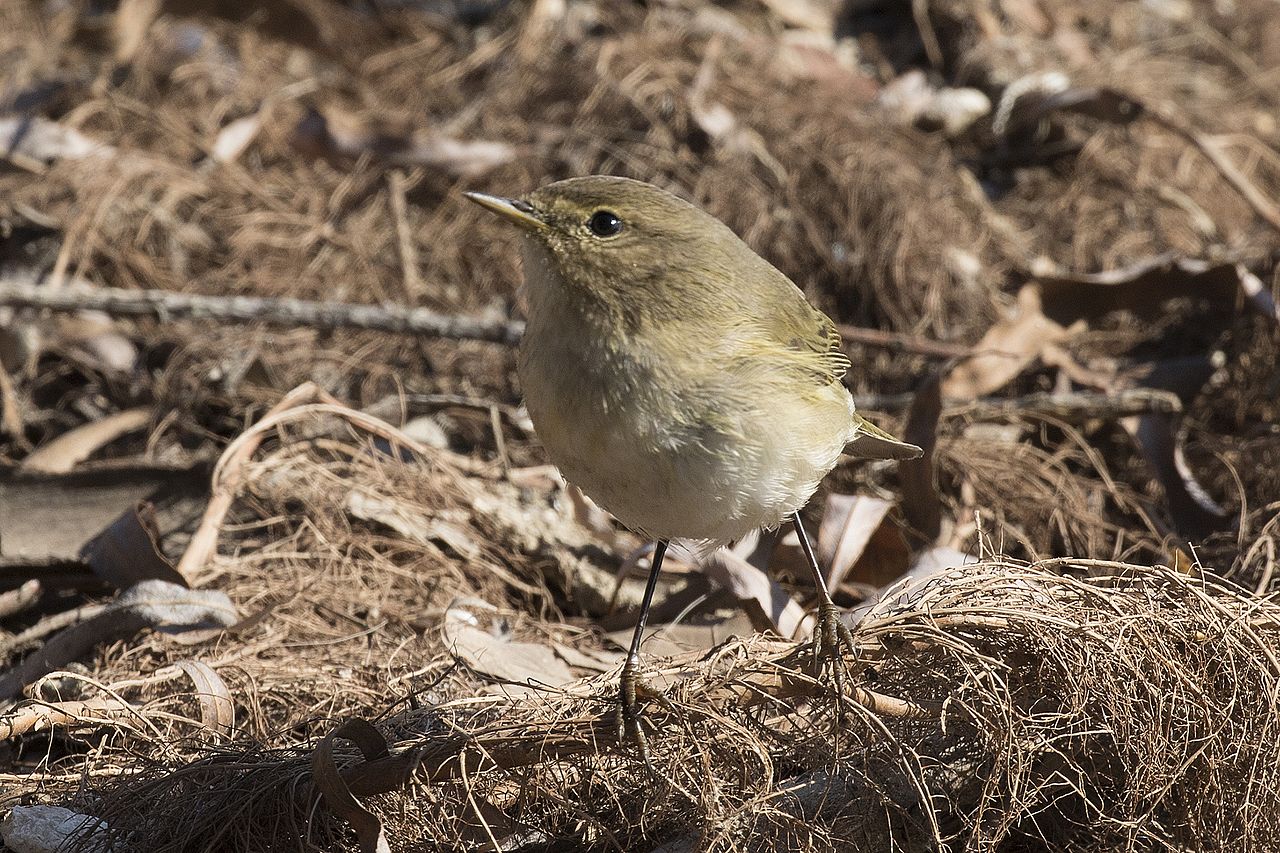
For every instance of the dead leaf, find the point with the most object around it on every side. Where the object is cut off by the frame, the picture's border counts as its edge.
(337, 796)
(847, 526)
(519, 668)
(69, 449)
(217, 707)
(166, 606)
(95, 335)
(767, 603)
(1013, 342)
(1143, 288)
(921, 504)
(154, 604)
(670, 640)
(412, 523)
(32, 139)
(1101, 103)
(1159, 437)
(334, 135)
(127, 551)
(1194, 513)
(234, 138)
(885, 558)
(196, 636)
(52, 517)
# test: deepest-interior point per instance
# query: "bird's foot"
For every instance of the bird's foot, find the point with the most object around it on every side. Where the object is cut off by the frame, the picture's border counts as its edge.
(832, 639)
(632, 687)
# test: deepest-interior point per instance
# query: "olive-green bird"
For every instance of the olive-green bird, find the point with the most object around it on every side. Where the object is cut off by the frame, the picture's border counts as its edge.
(678, 378)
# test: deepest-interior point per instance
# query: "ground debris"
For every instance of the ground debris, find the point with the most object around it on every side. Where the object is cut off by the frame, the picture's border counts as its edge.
(1047, 230)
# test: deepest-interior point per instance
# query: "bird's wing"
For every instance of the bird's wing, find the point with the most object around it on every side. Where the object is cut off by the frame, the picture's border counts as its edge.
(799, 332)
(810, 342)
(871, 442)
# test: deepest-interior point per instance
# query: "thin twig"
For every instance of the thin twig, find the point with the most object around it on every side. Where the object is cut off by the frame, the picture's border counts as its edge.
(20, 599)
(23, 292)
(168, 306)
(404, 234)
(1070, 407)
(903, 342)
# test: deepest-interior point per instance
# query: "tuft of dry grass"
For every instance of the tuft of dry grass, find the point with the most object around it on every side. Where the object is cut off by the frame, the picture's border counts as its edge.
(1070, 705)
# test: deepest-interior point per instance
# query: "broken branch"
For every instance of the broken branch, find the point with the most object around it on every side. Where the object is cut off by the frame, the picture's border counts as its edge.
(166, 305)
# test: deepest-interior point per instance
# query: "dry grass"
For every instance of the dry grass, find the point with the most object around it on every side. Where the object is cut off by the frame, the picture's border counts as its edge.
(1070, 705)
(1065, 707)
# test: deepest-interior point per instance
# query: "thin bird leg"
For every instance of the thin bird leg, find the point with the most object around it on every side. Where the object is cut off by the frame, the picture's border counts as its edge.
(628, 711)
(830, 634)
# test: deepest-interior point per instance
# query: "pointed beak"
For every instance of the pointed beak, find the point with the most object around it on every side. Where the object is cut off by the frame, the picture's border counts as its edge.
(520, 212)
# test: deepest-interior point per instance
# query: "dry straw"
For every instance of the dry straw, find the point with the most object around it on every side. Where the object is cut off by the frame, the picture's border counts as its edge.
(1072, 705)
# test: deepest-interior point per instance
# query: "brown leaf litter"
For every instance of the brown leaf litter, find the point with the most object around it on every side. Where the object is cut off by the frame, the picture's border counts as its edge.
(1047, 227)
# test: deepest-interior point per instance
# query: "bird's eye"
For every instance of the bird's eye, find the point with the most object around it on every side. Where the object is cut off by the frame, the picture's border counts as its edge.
(604, 223)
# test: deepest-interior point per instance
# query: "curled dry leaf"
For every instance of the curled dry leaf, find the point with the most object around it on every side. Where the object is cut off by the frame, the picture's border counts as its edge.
(170, 607)
(767, 604)
(334, 135)
(847, 526)
(152, 604)
(73, 447)
(1013, 342)
(337, 795)
(1160, 438)
(217, 707)
(1194, 513)
(128, 551)
(519, 668)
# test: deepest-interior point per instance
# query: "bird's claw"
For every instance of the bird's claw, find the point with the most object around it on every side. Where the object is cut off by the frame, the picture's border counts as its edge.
(631, 687)
(832, 639)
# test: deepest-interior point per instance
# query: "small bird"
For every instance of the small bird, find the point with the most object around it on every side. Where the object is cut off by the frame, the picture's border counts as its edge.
(678, 378)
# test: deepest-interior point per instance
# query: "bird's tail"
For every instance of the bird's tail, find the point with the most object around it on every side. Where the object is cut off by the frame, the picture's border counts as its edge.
(871, 442)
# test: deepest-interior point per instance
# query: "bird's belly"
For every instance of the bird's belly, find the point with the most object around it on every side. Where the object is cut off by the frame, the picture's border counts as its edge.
(661, 475)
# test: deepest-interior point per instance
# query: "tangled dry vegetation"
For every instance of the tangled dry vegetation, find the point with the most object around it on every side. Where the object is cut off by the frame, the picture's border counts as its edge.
(242, 610)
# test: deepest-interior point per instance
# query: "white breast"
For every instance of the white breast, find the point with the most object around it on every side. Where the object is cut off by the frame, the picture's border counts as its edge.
(619, 427)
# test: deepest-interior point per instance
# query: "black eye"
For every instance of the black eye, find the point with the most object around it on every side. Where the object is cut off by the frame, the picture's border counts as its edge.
(604, 223)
